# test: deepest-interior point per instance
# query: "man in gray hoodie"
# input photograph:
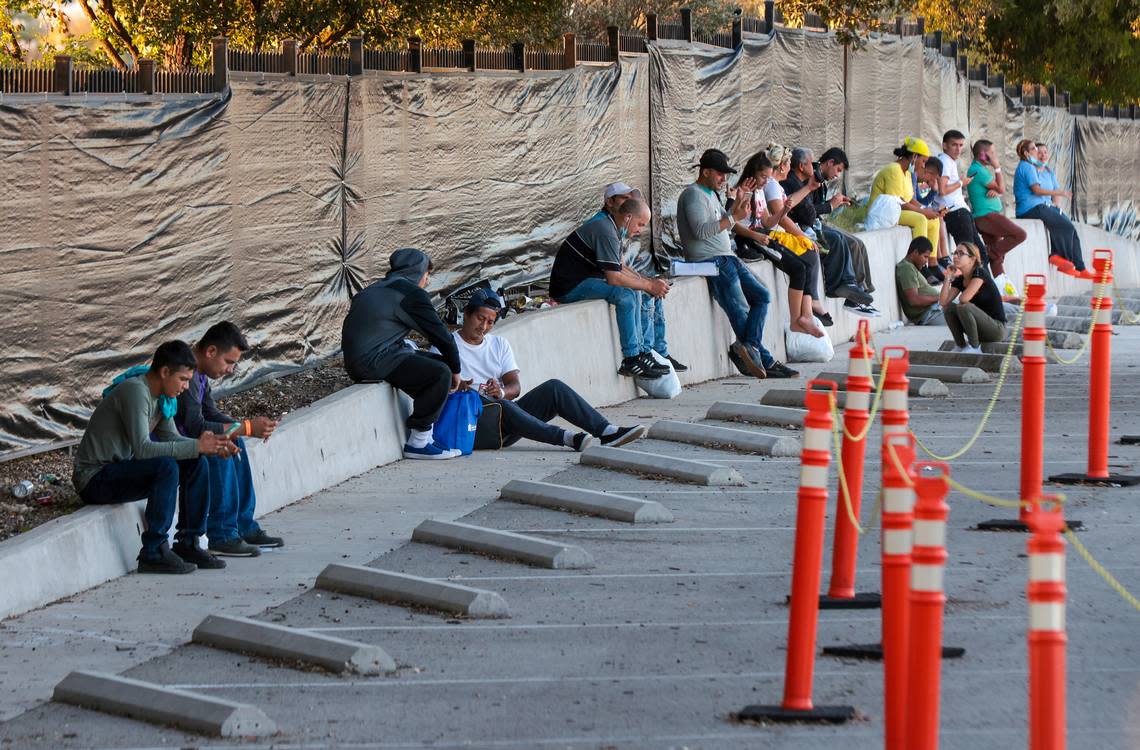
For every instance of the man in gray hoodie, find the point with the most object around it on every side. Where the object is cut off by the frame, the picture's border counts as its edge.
(372, 338)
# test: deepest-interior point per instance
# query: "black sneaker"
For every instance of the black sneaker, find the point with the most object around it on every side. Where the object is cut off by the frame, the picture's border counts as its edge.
(260, 539)
(825, 318)
(735, 360)
(169, 563)
(623, 435)
(652, 363)
(944, 262)
(780, 370)
(236, 547)
(192, 553)
(634, 367)
(749, 358)
(677, 366)
(852, 293)
(582, 441)
(863, 311)
(747, 252)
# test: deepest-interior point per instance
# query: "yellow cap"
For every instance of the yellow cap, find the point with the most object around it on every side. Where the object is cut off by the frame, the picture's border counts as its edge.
(916, 146)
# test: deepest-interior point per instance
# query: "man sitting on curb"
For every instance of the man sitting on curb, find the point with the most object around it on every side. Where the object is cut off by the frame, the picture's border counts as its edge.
(230, 527)
(703, 224)
(118, 461)
(589, 266)
(489, 365)
(918, 299)
(372, 337)
(639, 259)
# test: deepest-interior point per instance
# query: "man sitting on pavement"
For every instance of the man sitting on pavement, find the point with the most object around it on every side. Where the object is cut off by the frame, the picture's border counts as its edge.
(589, 266)
(372, 337)
(703, 225)
(488, 364)
(918, 299)
(230, 527)
(131, 450)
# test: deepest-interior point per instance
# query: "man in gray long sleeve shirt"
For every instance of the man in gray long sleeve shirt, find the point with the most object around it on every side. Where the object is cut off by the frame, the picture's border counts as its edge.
(703, 224)
(118, 461)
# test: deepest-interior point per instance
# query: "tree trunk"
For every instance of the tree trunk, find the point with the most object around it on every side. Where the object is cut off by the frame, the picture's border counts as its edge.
(180, 52)
(112, 53)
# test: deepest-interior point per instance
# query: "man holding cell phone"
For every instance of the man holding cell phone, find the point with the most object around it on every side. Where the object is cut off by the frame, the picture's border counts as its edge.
(230, 527)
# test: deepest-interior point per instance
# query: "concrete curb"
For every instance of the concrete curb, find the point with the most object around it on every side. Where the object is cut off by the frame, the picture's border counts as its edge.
(917, 387)
(965, 375)
(1121, 300)
(399, 588)
(506, 544)
(786, 397)
(1070, 325)
(987, 362)
(590, 502)
(244, 635)
(654, 464)
(1119, 317)
(157, 704)
(745, 441)
(770, 416)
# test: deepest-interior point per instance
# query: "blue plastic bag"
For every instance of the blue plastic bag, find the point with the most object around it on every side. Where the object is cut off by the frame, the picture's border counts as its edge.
(455, 427)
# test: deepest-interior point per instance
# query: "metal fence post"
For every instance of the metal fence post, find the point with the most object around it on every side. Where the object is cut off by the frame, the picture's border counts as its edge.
(769, 16)
(737, 32)
(61, 77)
(687, 24)
(651, 26)
(289, 53)
(569, 50)
(469, 54)
(921, 21)
(146, 76)
(899, 26)
(614, 38)
(221, 65)
(518, 51)
(415, 54)
(355, 55)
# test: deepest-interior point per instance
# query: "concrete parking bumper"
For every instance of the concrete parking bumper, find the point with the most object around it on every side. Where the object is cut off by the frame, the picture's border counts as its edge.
(770, 416)
(505, 544)
(655, 464)
(399, 588)
(590, 502)
(745, 441)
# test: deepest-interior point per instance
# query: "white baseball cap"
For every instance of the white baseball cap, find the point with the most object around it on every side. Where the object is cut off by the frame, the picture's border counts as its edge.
(620, 188)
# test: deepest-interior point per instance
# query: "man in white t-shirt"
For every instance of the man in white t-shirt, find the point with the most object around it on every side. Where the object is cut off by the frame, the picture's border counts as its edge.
(959, 221)
(487, 364)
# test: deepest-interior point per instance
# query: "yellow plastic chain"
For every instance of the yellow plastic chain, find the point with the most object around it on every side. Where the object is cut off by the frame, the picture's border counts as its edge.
(874, 404)
(1092, 324)
(1100, 570)
(844, 492)
(1002, 373)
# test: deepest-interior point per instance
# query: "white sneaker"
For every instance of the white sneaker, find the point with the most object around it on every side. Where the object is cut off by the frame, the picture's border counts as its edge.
(972, 350)
(958, 350)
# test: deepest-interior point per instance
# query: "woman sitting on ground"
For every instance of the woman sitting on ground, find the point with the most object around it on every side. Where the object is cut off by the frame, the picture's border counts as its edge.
(752, 242)
(971, 301)
(1034, 201)
(897, 179)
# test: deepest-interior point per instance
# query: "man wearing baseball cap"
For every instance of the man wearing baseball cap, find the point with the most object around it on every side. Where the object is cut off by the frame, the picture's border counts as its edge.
(703, 224)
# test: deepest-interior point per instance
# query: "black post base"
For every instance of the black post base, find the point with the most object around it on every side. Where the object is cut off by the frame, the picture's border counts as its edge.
(874, 651)
(1130, 440)
(1011, 524)
(817, 715)
(1112, 480)
(864, 600)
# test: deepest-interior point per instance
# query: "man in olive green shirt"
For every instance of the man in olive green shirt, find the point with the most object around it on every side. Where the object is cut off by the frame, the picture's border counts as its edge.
(132, 450)
(918, 299)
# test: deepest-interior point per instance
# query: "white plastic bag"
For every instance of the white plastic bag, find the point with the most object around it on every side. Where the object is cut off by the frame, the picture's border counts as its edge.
(883, 213)
(803, 347)
(666, 386)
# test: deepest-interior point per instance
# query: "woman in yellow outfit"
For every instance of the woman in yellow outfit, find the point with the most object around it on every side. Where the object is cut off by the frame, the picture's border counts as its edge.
(895, 179)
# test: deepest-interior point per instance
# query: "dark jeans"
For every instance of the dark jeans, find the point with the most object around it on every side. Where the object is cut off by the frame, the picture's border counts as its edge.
(504, 422)
(158, 480)
(1063, 239)
(837, 267)
(802, 270)
(744, 300)
(961, 228)
(232, 499)
(860, 262)
(427, 379)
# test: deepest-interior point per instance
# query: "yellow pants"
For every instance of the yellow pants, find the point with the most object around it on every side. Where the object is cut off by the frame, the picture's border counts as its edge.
(920, 226)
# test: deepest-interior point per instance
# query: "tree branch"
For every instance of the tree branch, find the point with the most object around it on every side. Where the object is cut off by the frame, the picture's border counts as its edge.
(120, 30)
(8, 35)
(112, 53)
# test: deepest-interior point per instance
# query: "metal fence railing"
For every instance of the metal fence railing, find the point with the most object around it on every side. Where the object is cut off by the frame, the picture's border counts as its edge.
(495, 59)
(594, 52)
(545, 59)
(321, 63)
(256, 62)
(395, 60)
(444, 58)
(26, 79)
(633, 43)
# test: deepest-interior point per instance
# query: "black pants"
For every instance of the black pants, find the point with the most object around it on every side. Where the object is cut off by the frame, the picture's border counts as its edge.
(960, 226)
(505, 422)
(427, 379)
(860, 263)
(837, 268)
(802, 270)
(1063, 239)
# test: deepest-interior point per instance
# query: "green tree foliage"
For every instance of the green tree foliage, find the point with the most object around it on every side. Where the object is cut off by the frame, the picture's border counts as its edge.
(850, 20)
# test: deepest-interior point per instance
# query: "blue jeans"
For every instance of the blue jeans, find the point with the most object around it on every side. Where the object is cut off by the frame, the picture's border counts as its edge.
(159, 481)
(233, 498)
(744, 300)
(653, 324)
(627, 306)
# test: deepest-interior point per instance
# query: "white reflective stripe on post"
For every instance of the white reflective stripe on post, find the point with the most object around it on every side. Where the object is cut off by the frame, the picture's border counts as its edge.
(858, 401)
(929, 533)
(813, 476)
(1035, 320)
(890, 428)
(1033, 348)
(894, 400)
(1050, 567)
(816, 439)
(896, 541)
(1049, 616)
(858, 366)
(897, 499)
(1103, 315)
(925, 577)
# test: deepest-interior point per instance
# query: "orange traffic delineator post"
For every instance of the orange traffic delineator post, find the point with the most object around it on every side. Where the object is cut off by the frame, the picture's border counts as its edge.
(898, 519)
(1047, 639)
(927, 600)
(856, 414)
(1100, 383)
(807, 564)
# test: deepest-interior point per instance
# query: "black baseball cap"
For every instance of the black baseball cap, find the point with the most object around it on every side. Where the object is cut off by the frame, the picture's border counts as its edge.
(716, 159)
(484, 298)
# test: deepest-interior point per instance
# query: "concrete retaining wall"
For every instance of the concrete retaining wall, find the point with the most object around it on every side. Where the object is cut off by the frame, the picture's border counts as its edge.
(360, 428)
